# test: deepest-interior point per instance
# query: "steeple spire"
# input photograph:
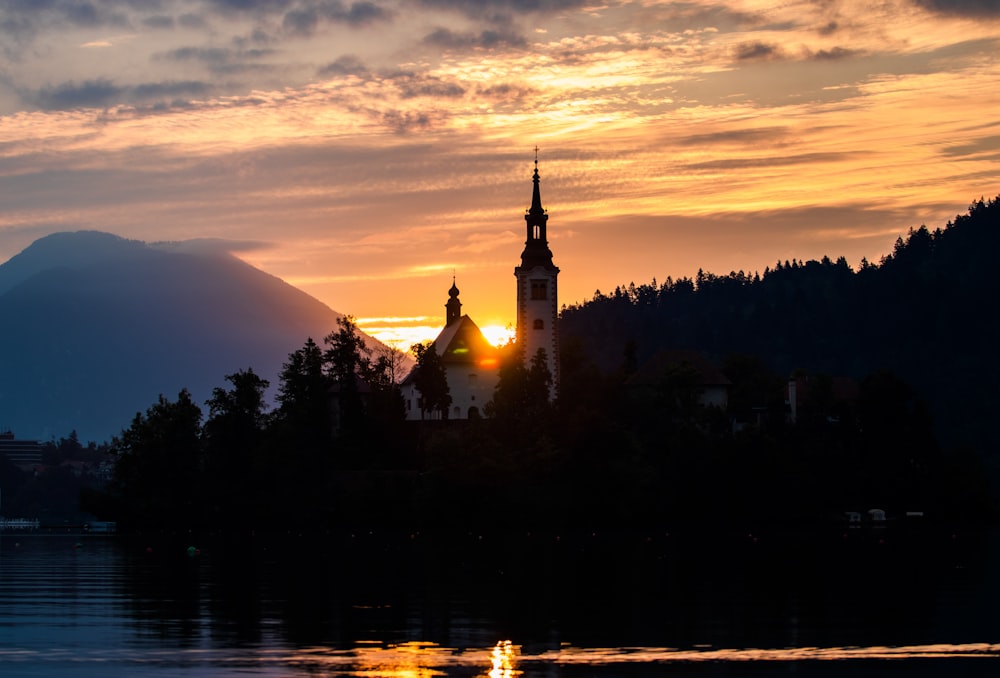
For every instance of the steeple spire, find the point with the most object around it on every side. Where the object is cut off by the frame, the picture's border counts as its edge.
(536, 196)
(536, 245)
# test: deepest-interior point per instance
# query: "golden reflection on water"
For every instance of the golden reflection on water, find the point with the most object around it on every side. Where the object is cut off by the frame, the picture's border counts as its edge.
(406, 660)
(619, 655)
(426, 660)
(503, 660)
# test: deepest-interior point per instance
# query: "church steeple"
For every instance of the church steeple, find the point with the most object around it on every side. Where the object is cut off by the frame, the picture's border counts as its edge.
(453, 309)
(536, 245)
(537, 297)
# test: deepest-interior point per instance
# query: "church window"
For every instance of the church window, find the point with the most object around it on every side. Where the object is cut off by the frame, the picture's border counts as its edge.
(539, 290)
(539, 324)
(536, 232)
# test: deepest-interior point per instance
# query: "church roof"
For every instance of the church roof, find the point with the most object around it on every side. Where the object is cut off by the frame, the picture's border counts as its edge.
(463, 342)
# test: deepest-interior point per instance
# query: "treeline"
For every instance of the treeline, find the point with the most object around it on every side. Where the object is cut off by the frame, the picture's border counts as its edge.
(925, 312)
(337, 451)
(603, 454)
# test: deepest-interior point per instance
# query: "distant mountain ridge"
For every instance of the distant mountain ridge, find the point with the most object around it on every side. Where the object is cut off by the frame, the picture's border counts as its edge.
(96, 327)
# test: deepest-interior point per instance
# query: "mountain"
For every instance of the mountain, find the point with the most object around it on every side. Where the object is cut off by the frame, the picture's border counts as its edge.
(96, 327)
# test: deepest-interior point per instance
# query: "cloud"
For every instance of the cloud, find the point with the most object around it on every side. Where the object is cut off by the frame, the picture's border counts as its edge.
(478, 9)
(757, 50)
(977, 147)
(220, 59)
(73, 12)
(344, 65)
(211, 246)
(173, 89)
(829, 28)
(411, 85)
(89, 94)
(255, 8)
(779, 161)
(305, 21)
(300, 21)
(21, 21)
(505, 91)
(447, 39)
(835, 54)
(971, 8)
(363, 13)
(192, 21)
(158, 22)
(403, 122)
(742, 137)
(102, 93)
(212, 56)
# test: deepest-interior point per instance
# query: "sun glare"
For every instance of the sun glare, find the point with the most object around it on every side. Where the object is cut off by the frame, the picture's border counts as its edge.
(498, 335)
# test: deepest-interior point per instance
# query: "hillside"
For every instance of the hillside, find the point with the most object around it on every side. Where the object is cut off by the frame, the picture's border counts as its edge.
(97, 327)
(926, 312)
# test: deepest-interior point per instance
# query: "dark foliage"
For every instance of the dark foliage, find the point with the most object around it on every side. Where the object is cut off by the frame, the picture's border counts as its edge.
(431, 381)
(923, 313)
(613, 450)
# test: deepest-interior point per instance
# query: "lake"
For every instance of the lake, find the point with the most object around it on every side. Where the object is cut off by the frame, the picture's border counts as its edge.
(501, 604)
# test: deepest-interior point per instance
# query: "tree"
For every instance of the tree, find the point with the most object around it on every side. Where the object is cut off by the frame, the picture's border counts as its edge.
(158, 472)
(522, 392)
(303, 416)
(348, 364)
(233, 435)
(386, 406)
(510, 394)
(539, 384)
(239, 411)
(431, 381)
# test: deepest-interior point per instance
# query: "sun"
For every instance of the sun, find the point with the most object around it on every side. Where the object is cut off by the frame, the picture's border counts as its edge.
(498, 335)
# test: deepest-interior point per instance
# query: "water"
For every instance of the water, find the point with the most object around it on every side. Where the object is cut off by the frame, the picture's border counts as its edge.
(402, 605)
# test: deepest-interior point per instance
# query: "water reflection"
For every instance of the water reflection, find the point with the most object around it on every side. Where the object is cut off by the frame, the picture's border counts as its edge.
(503, 660)
(490, 607)
(650, 655)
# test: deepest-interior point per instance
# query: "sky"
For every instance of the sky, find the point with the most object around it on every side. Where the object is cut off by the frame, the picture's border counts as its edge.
(366, 152)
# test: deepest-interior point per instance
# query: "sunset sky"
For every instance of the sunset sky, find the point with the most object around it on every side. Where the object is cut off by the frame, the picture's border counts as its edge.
(365, 151)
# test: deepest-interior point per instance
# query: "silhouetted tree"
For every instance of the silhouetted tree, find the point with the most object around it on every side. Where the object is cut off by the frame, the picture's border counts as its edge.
(303, 415)
(539, 385)
(233, 434)
(431, 381)
(386, 409)
(159, 465)
(348, 364)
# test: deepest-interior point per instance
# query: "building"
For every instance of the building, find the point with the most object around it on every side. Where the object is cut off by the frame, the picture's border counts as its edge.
(25, 454)
(471, 365)
(537, 298)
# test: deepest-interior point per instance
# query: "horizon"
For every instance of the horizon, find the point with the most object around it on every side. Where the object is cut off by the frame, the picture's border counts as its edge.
(367, 152)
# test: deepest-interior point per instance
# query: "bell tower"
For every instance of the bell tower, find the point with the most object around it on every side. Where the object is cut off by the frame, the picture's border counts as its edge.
(537, 307)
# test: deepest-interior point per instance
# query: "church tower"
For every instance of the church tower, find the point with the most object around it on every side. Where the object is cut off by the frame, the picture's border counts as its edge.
(453, 309)
(537, 308)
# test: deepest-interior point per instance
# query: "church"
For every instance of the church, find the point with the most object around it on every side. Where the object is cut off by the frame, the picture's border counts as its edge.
(470, 362)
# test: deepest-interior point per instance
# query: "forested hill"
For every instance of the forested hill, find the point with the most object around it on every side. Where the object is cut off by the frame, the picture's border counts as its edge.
(926, 312)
